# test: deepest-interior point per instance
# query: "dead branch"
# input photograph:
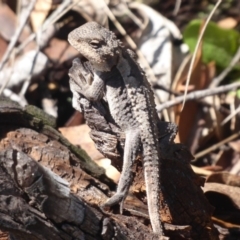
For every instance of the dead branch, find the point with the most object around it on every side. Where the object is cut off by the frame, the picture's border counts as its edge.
(198, 95)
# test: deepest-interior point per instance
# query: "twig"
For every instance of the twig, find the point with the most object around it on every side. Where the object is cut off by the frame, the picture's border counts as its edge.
(14, 97)
(196, 49)
(29, 77)
(158, 86)
(177, 7)
(51, 20)
(62, 9)
(59, 12)
(15, 38)
(198, 94)
(228, 118)
(215, 146)
(216, 81)
(201, 101)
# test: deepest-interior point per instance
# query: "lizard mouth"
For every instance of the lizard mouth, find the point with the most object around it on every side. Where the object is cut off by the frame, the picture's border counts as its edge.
(99, 63)
(83, 59)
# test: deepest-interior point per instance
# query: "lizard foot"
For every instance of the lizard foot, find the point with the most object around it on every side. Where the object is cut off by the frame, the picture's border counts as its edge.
(117, 198)
(81, 74)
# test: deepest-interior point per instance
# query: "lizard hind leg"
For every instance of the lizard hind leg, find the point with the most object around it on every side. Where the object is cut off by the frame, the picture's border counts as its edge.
(131, 149)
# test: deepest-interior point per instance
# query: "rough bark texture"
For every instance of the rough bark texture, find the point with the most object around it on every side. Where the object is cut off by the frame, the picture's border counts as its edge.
(39, 204)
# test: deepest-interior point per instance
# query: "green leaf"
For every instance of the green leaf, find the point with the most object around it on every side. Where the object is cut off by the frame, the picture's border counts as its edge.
(238, 94)
(219, 45)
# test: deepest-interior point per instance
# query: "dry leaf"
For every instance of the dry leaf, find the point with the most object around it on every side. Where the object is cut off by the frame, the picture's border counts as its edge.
(201, 171)
(23, 68)
(39, 13)
(224, 178)
(228, 23)
(156, 45)
(224, 223)
(230, 192)
(79, 135)
(8, 20)
(3, 47)
(110, 171)
(92, 10)
(235, 145)
(191, 118)
(60, 51)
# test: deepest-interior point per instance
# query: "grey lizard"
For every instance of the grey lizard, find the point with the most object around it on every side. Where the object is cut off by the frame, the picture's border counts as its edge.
(110, 71)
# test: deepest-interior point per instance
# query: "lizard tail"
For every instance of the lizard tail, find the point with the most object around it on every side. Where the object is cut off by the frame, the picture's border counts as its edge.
(152, 180)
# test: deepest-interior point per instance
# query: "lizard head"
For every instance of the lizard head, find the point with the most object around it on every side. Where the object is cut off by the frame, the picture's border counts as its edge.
(97, 44)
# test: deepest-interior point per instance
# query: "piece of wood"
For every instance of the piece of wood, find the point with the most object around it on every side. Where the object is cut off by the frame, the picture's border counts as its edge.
(39, 203)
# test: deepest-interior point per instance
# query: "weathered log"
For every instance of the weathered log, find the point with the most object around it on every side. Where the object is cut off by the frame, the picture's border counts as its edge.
(11, 114)
(37, 203)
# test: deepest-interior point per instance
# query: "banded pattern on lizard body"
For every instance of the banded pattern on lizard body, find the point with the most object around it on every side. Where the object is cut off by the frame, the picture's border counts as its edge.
(117, 77)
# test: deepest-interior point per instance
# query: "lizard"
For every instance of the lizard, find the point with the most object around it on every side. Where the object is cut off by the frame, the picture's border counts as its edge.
(110, 71)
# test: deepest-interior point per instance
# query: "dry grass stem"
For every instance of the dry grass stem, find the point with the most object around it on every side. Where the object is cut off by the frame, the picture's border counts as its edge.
(198, 95)
(197, 47)
(14, 40)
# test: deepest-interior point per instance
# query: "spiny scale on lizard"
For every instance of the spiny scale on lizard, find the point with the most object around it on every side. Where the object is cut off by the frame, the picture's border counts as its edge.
(116, 76)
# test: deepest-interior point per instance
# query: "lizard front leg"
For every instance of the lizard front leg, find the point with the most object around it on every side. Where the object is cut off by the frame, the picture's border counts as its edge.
(84, 82)
(131, 149)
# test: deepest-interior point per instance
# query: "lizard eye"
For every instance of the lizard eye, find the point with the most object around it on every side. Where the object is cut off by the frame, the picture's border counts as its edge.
(95, 43)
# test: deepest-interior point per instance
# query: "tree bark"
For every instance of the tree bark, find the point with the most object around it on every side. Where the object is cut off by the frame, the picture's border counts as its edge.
(50, 189)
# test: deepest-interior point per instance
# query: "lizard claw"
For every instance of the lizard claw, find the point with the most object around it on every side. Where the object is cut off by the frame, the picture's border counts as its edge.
(79, 74)
(118, 198)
